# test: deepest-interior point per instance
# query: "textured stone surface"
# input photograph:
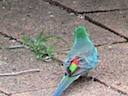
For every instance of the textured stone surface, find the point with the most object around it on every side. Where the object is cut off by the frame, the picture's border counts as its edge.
(113, 65)
(29, 17)
(33, 17)
(20, 60)
(94, 5)
(80, 88)
(5, 42)
(117, 21)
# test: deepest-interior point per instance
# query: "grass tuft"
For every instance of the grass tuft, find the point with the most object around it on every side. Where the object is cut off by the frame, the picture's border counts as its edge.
(41, 48)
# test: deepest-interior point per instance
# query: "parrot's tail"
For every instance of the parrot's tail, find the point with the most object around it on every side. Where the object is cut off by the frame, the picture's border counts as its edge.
(65, 82)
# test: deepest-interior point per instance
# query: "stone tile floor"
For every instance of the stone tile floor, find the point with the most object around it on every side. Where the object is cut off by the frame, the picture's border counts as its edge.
(106, 22)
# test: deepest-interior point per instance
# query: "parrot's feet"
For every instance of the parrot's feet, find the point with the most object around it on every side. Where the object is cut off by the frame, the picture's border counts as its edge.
(88, 77)
(93, 77)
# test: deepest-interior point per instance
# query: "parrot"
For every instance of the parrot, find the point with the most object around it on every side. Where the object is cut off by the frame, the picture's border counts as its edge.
(81, 60)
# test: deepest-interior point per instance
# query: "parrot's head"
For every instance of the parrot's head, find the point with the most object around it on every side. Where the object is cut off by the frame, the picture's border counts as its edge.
(81, 33)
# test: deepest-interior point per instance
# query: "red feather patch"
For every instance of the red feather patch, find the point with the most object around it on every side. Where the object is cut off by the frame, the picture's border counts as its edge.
(75, 61)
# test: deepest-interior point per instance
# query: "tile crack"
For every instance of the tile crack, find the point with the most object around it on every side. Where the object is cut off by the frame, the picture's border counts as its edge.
(91, 20)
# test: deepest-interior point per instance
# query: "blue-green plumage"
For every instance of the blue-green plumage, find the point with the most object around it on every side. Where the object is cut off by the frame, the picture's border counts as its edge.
(86, 54)
(65, 82)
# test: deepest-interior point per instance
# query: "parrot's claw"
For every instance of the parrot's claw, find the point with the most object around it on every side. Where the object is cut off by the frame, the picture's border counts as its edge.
(93, 77)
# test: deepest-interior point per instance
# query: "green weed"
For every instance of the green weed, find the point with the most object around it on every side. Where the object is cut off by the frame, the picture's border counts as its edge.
(41, 48)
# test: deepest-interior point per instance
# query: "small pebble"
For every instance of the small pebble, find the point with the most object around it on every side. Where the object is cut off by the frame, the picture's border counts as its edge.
(13, 41)
(71, 13)
(74, 2)
(3, 7)
(109, 46)
(51, 15)
(80, 16)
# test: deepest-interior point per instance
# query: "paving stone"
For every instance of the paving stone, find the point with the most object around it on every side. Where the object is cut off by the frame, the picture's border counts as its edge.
(112, 68)
(19, 60)
(41, 92)
(93, 5)
(79, 88)
(31, 17)
(117, 21)
(6, 43)
(47, 79)
(88, 89)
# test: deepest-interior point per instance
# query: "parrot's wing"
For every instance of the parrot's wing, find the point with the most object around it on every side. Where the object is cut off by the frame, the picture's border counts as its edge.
(85, 64)
(65, 82)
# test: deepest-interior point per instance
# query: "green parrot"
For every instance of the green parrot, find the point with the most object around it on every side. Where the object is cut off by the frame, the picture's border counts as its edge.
(82, 58)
